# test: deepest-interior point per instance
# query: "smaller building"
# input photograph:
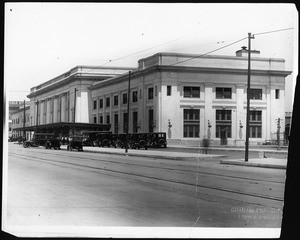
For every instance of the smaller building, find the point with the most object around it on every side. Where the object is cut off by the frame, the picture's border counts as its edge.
(12, 107)
(17, 121)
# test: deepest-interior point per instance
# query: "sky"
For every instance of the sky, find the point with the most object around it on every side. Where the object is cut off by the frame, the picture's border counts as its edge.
(44, 40)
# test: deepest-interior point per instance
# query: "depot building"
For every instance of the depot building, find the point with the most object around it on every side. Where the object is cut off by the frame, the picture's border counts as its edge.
(190, 97)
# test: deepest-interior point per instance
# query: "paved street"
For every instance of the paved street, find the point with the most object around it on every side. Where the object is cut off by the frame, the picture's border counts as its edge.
(62, 188)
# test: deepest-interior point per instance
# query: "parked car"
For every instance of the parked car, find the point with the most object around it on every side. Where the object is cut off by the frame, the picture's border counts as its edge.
(48, 140)
(104, 139)
(138, 140)
(157, 139)
(75, 142)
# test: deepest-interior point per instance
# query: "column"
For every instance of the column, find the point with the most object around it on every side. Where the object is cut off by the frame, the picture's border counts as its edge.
(42, 111)
(63, 108)
(55, 109)
(48, 113)
(267, 119)
(208, 112)
(240, 114)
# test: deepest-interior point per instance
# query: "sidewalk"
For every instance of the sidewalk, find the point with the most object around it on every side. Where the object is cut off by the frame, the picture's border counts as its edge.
(153, 153)
(258, 162)
(156, 153)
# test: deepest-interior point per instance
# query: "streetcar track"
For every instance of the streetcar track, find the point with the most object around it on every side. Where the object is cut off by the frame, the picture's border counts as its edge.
(172, 169)
(155, 178)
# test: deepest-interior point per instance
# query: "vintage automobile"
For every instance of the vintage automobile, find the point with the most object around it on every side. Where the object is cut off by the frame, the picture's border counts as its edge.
(157, 139)
(48, 140)
(104, 139)
(75, 142)
(138, 140)
(119, 140)
(90, 138)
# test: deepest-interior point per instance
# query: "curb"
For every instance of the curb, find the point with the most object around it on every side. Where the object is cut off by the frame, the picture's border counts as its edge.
(253, 164)
(237, 150)
(151, 156)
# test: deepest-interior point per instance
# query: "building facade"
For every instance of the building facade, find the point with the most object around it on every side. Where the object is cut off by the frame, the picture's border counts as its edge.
(66, 97)
(17, 121)
(190, 97)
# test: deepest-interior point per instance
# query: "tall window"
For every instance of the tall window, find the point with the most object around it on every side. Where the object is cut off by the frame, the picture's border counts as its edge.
(191, 92)
(95, 119)
(191, 122)
(134, 96)
(135, 122)
(100, 119)
(169, 90)
(124, 122)
(108, 119)
(95, 104)
(116, 122)
(256, 93)
(255, 124)
(150, 93)
(151, 120)
(108, 102)
(124, 98)
(223, 123)
(100, 103)
(116, 100)
(277, 93)
(223, 93)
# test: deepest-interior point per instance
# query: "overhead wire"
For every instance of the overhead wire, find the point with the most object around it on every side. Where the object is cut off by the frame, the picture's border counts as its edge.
(279, 30)
(201, 55)
(198, 56)
(147, 49)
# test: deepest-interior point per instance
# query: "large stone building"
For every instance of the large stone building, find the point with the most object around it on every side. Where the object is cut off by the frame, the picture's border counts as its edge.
(66, 97)
(190, 97)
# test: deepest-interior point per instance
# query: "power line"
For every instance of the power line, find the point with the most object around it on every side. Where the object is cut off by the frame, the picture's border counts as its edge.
(147, 49)
(199, 56)
(279, 30)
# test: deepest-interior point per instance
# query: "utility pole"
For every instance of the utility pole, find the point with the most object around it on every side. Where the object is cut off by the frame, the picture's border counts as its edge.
(127, 122)
(74, 110)
(248, 99)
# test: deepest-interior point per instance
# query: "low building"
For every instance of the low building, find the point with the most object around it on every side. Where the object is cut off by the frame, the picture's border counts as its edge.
(12, 107)
(18, 123)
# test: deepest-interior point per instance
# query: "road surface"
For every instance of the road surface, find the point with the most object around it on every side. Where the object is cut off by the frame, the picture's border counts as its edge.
(62, 188)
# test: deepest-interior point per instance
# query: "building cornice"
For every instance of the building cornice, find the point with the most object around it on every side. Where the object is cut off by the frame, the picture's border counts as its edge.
(154, 68)
(195, 56)
(76, 73)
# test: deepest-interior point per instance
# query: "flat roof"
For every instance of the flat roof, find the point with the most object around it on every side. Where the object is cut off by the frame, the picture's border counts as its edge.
(60, 125)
